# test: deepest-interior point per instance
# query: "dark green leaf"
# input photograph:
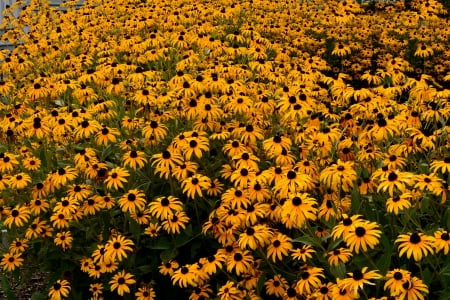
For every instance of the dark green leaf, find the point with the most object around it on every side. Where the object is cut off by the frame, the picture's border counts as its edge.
(338, 271)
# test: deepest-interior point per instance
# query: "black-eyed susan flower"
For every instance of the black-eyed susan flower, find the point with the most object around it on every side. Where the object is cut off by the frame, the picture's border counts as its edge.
(303, 253)
(121, 282)
(362, 236)
(60, 289)
(442, 166)
(175, 223)
(279, 246)
(340, 255)
(185, 276)
(62, 176)
(10, 261)
(298, 209)
(18, 246)
(413, 288)
(96, 289)
(164, 207)
(358, 278)
(442, 241)
(134, 159)
(18, 217)
(132, 201)
(276, 286)
(64, 240)
(310, 279)
(255, 236)
(396, 204)
(145, 293)
(116, 178)
(240, 262)
(395, 280)
(416, 245)
(117, 248)
(38, 206)
(195, 185)
(19, 181)
(395, 181)
(339, 175)
(229, 291)
(168, 268)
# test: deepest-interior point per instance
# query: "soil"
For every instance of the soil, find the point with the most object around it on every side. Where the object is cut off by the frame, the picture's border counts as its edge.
(36, 283)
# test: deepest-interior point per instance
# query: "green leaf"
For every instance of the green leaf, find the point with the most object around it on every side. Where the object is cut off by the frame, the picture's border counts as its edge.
(37, 296)
(356, 200)
(426, 276)
(305, 240)
(338, 271)
(161, 244)
(260, 284)
(168, 254)
(6, 289)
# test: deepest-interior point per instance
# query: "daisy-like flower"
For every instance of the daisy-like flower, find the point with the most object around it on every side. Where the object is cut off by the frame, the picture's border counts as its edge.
(240, 262)
(64, 240)
(310, 279)
(18, 216)
(303, 253)
(442, 166)
(19, 181)
(168, 268)
(254, 237)
(117, 248)
(362, 236)
(297, 209)
(442, 241)
(145, 293)
(132, 201)
(164, 207)
(415, 245)
(175, 223)
(60, 289)
(358, 278)
(395, 280)
(279, 246)
(121, 282)
(229, 292)
(134, 159)
(276, 286)
(395, 181)
(413, 288)
(62, 176)
(185, 276)
(116, 178)
(337, 256)
(18, 246)
(396, 204)
(339, 175)
(194, 185)
(11, 261)
(96, 289)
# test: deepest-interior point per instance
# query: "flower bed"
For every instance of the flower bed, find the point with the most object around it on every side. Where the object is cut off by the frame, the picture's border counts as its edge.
(226, 150)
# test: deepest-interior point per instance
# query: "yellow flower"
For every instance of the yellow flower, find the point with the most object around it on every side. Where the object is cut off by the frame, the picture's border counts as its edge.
(121, 282)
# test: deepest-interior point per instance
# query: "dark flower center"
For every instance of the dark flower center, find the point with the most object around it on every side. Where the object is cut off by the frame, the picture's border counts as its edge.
(360, 231)
(415, 238)
(358, 275)
(165, 202)
(237, 257)
(121, 281)
(296, 201)
(117, 245)
(398, 275)
(392, 176)
(445, 236)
